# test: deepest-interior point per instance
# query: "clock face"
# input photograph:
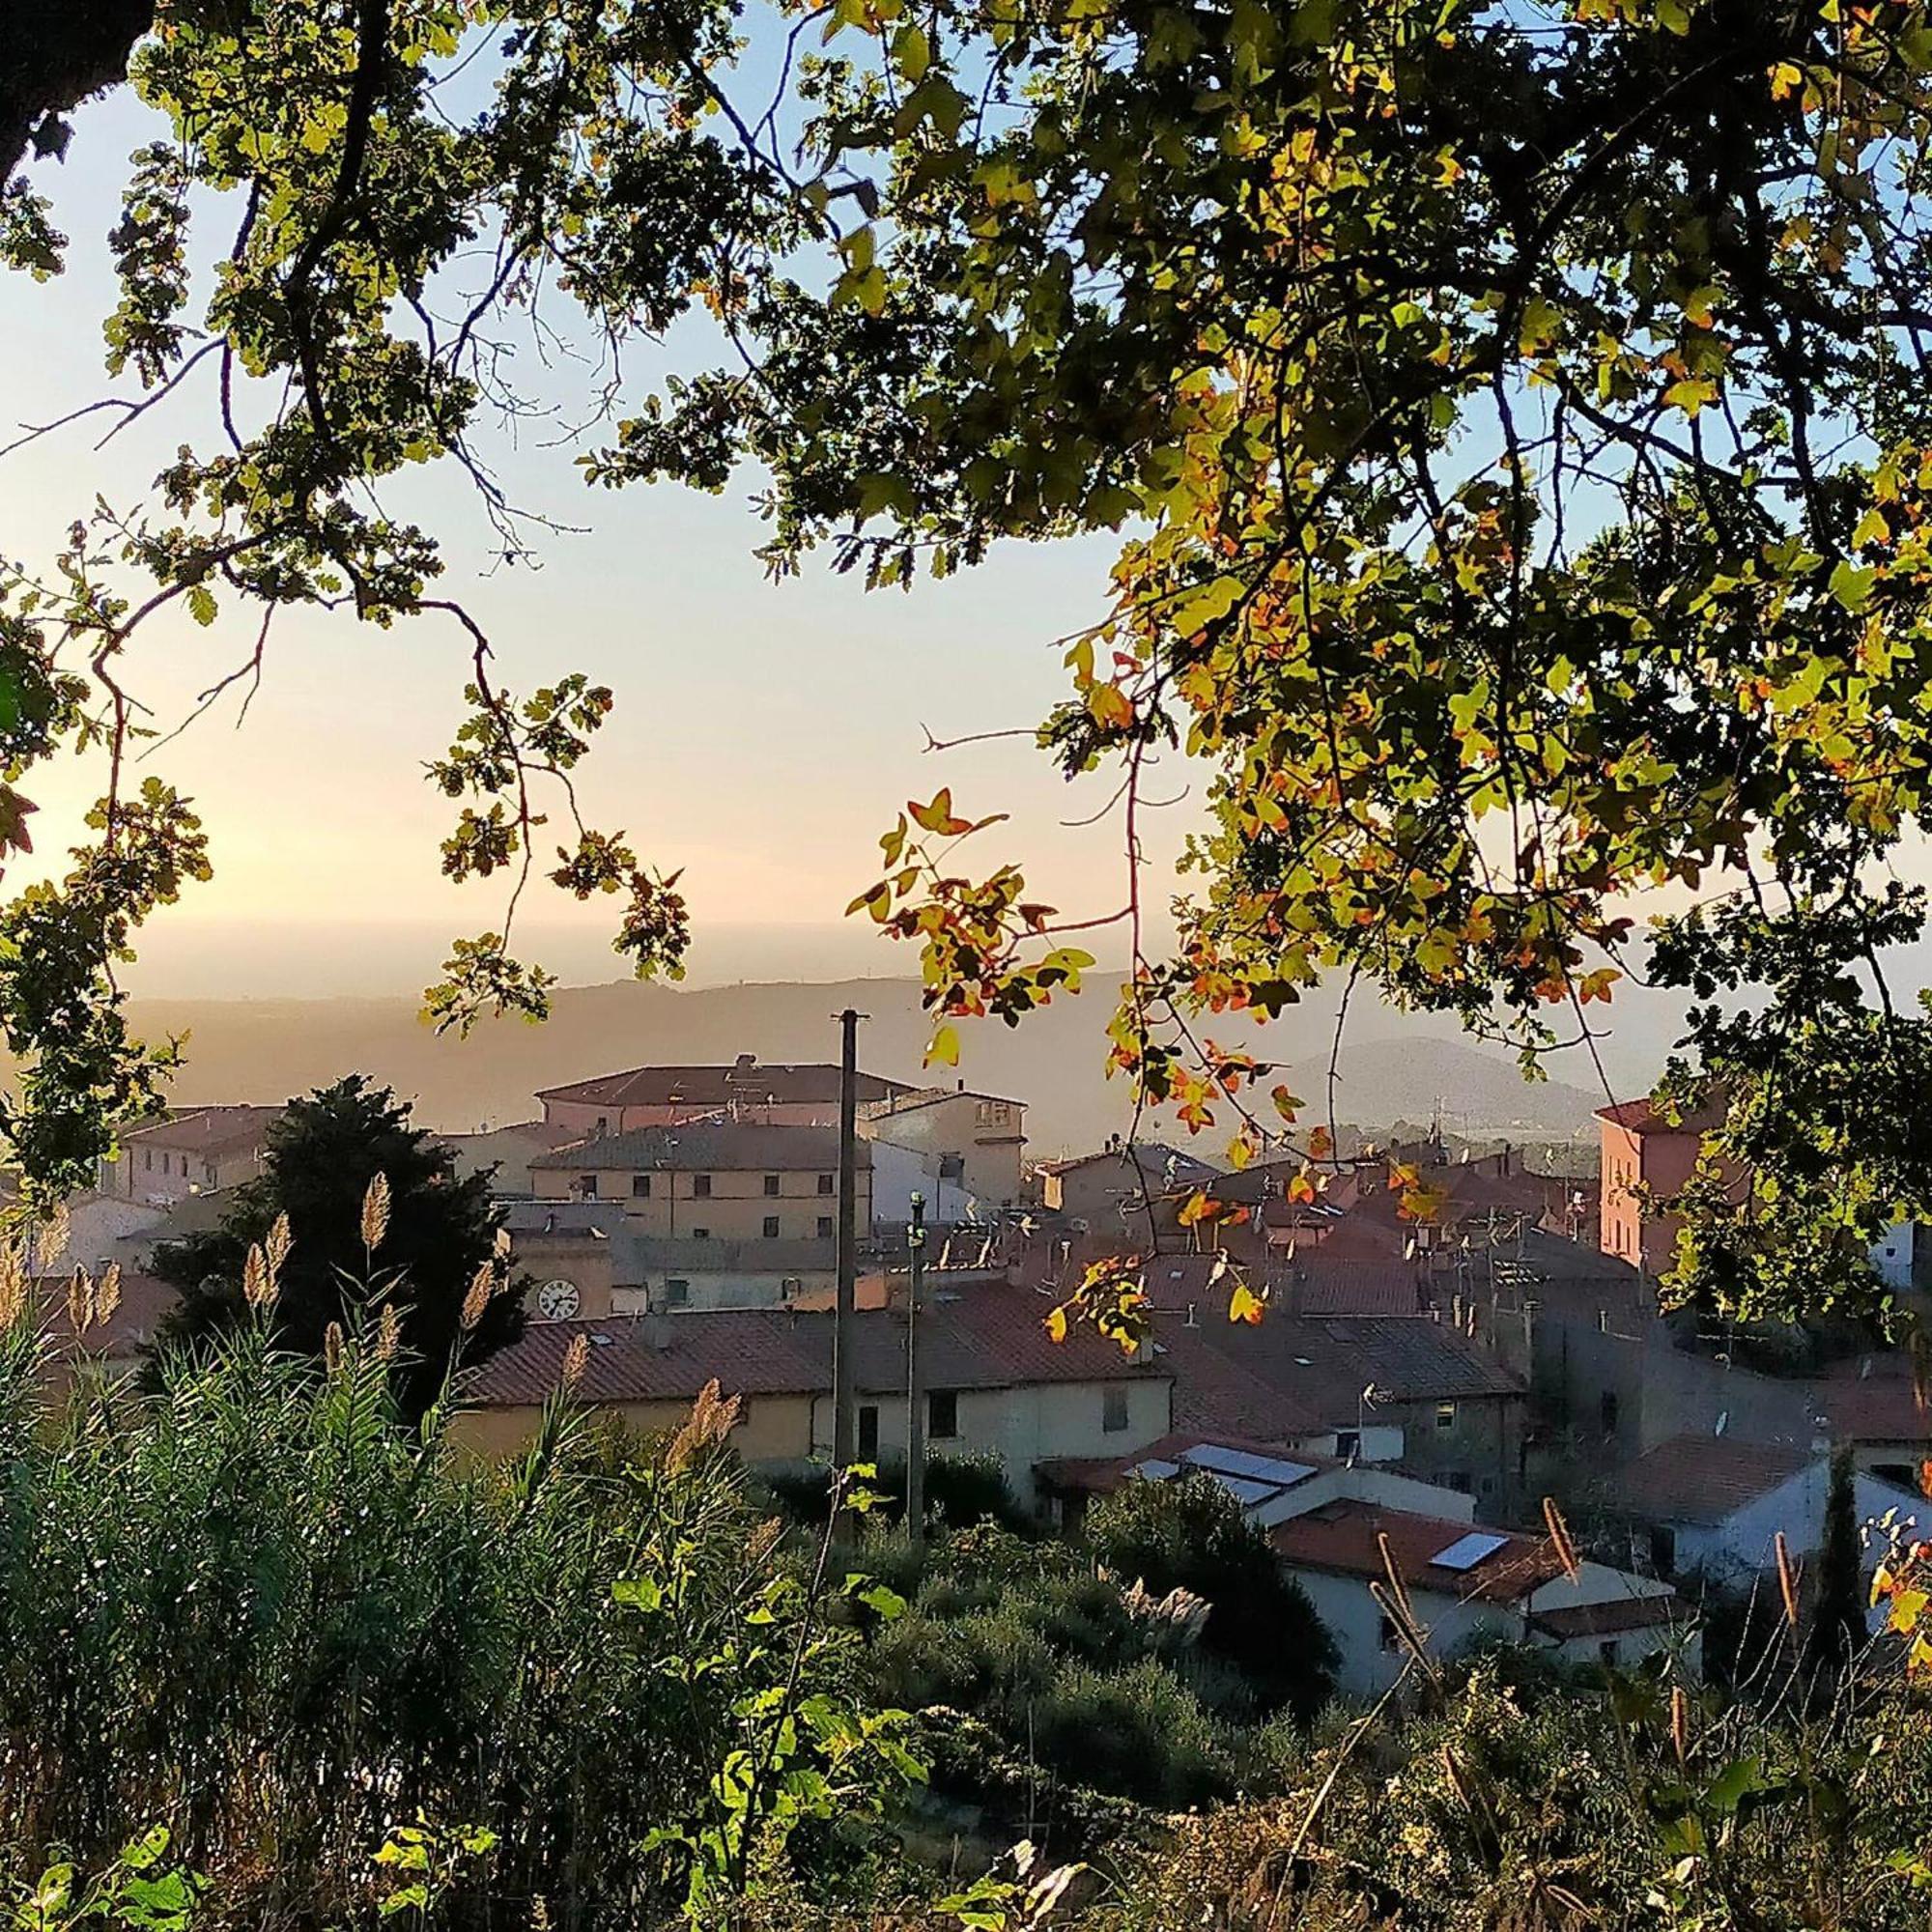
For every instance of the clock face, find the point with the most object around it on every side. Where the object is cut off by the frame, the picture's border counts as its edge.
(557, 1300)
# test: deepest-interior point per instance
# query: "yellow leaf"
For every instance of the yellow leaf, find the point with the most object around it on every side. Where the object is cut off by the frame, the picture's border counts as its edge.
(1056, 1325)
(1906, 1608)
(1247, 1306)
(944, 1046)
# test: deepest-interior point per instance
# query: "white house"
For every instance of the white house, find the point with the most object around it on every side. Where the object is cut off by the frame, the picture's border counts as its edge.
(1713, 1506)
(898, 1172)
(1331, 1521)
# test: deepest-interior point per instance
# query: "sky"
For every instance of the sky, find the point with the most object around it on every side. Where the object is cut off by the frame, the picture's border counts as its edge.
(763, 737)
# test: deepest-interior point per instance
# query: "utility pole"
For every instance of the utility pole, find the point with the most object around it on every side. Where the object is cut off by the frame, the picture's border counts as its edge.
(848, 1244)
(915, 1432)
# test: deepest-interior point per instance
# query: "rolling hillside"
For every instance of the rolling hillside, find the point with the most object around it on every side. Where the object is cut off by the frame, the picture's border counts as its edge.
(268, 1049)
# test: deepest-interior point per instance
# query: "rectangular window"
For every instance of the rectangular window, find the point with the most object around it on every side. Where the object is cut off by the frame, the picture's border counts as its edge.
(942, 1414)
(700, 1186)
(771, 1183)
(1445, 1416)
(868, 1431)
(148, 1159)
(640, 1186)
(827, 1184)
(586, 1187)
(1347, 1444)
(825, 1227)
(677, 1293)
(771, 1227)
(207, 1175)
(1114, 1410)
(700, 1234)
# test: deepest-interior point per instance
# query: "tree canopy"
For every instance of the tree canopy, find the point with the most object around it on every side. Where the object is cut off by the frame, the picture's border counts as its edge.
(416, 1263)
(1517, 417)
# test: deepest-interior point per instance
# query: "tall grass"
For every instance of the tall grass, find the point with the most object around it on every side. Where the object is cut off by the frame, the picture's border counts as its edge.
(255, 1608)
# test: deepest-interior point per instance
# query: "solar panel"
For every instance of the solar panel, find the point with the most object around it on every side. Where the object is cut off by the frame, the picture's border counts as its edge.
(1243, 1462)
(1154, 1471)
(1243, 1491)
(1466, 1551)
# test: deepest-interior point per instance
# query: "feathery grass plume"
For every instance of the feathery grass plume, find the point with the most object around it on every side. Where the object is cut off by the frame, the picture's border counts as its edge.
(1787, 1579)
(1398, 1589)
(710, 1421)
(51, 1237)
(1559, 1539)
(281, 1239)
(80, 1301)
(1680, 1724)
(1402, 1620)
(388, 1333)
(375, 1212)
(258, 1285)
(576, 1358)
(12, 1282)
(331, 1348)
(482, 1285)
(107, 1292)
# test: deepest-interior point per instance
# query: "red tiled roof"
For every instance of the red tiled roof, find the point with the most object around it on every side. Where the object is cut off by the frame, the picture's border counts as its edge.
(144, 1301)
(1640, 1117)
(207, 1131)
(1882, 1409)
(715, 1085)
(1343, 1536)
(1705, 1478)
(990, 1337)
(1611, 1616)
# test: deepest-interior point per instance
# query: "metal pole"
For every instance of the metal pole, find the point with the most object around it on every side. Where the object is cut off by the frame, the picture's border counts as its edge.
(914, 1452)
(848, 1244)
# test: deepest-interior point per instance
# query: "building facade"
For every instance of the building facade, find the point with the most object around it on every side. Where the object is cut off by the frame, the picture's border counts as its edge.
(975, 1141)
(194, 1151)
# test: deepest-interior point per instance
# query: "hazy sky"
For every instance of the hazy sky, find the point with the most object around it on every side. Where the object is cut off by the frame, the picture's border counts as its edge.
(764, 734)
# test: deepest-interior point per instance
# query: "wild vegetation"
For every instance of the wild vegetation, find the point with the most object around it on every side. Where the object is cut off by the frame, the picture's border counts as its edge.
(277, 1655)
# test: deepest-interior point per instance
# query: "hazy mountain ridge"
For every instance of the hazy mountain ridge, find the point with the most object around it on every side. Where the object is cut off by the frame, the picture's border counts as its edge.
(268, 1049)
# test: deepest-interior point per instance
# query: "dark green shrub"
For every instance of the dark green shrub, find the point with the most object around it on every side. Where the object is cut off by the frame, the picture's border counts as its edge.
(1192, 1534)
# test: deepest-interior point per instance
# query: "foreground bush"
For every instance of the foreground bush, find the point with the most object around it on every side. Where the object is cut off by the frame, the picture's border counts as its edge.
(256, 1611)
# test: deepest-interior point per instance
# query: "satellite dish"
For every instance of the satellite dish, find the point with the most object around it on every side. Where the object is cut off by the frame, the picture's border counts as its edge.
(558, 1300)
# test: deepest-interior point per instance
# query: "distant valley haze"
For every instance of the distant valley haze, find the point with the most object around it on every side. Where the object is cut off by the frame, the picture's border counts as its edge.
(272, 1010)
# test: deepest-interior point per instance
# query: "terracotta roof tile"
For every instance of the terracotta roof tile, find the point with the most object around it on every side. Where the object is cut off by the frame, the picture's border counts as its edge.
(1344, 1537)
(990, 1337)
(208, 1130)
(1705, 1478)
(717, 1086)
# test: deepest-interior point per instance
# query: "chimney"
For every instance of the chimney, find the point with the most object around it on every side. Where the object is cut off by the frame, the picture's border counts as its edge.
(657, 1332)
(1193, 1317)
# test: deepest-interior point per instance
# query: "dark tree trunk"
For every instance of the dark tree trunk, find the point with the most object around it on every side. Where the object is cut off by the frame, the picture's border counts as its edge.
(53, 55)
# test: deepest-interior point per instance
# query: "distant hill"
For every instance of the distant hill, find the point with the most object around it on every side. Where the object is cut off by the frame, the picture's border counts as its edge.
(269, 1049)
(1382, 1081)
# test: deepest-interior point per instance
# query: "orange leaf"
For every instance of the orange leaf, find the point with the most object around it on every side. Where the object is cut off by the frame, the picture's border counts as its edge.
(1247, 1306)
(1056, 1325)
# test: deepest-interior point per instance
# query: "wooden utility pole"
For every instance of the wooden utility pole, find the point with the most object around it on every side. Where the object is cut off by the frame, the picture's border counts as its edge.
(848, 1243)
(915, 1431)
